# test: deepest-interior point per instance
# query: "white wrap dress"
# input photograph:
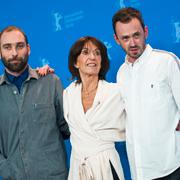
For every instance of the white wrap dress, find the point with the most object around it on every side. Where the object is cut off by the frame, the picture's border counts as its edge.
(93, 133)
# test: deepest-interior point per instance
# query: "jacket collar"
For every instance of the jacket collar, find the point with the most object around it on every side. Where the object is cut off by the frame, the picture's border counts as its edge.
(32, 75)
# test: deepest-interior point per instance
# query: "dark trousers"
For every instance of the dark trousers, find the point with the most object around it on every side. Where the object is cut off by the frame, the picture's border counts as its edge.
(173, 176)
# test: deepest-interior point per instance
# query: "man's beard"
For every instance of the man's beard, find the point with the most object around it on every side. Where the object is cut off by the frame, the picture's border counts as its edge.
(16, 64)
(138, 51)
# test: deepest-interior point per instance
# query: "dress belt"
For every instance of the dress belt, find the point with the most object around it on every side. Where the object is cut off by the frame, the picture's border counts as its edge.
(85, 171)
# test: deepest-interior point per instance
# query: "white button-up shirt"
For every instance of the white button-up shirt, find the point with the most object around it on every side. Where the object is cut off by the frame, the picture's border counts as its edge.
(151, 91)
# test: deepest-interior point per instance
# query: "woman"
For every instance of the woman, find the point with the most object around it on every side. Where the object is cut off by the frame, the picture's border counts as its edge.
(94, 111)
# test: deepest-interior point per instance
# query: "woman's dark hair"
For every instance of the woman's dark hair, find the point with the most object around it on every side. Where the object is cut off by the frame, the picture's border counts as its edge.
(75, 51)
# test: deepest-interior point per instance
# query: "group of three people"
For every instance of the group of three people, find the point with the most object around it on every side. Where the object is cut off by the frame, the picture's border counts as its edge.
(143, 108)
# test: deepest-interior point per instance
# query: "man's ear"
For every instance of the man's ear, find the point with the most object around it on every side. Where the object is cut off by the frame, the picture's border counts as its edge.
(146, 32)
(29, 49)
(0, 45)
(116, 39)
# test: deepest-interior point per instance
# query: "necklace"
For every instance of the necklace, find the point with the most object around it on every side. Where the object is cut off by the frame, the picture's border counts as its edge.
(88, 93)
(88, 98)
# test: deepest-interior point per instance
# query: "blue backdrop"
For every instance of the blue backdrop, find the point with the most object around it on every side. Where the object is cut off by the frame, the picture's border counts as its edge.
(53, 25)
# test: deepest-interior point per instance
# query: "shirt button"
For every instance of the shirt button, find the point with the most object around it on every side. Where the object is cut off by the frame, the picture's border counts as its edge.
(22, 152)
(15, 92)
(26, 166)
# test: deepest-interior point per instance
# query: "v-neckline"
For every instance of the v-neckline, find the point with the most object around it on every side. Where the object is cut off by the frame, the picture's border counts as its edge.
(94, 101)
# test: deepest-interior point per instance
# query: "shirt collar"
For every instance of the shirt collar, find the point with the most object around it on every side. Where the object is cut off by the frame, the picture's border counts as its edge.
(143, 56)
(22, 77)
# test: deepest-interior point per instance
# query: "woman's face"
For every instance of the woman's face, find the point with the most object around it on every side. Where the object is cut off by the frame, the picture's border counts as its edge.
(89, 60)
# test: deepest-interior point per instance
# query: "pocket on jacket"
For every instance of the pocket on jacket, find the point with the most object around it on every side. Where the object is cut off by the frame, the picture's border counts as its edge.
(43, 113)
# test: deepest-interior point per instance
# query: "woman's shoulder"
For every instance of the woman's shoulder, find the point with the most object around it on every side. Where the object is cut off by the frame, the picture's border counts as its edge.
(74, 85)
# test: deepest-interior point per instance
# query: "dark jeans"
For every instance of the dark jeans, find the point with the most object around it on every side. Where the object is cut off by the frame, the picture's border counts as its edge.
(173, 176)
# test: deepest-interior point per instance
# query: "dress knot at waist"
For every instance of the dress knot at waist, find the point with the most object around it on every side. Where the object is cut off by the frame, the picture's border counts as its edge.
(85, 171)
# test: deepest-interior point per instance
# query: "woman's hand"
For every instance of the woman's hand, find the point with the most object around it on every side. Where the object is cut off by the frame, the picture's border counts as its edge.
(178, 126)
(43, 71)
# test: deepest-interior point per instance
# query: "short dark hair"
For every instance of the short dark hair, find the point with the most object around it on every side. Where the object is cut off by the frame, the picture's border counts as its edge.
(75, 51)
(12, 28)
(125, 15)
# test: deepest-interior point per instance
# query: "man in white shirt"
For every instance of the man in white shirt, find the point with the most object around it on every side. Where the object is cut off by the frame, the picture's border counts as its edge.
(150, 81)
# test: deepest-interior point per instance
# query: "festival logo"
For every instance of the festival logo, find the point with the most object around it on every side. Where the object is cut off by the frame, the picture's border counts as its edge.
(66, 21)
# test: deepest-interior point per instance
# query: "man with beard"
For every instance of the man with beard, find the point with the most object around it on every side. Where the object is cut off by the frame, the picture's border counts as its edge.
(32, 127)
(150, 83)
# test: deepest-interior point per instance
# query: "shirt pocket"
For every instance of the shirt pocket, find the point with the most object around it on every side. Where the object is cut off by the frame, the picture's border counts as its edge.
(43, 113)
(157, 91)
